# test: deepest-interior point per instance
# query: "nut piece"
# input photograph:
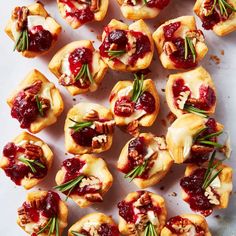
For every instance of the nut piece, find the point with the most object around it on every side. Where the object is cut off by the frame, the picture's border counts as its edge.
(169, 48)
(105, 127)
(200, 149)
(211, 196)
(132, 230)
(99, 141)
(90, 182)
(195, 35)
(93, 197)
(182, 99)
(19, 14)
(33, 151)
(23, 217)
(144, 200)
(133, 128)
(91, 115)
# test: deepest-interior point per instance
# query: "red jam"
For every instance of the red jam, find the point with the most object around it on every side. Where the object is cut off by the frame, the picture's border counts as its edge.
(104, 230)
(124, 107)
(146, 102)
(160, 4)
(17, 170)
(170, 29)
(192, 185)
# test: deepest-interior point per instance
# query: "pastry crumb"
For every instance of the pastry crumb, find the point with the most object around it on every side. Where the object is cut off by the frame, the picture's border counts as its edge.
(162, 188)
(222, 52)
(163, 90)
(173, 194)
(215, 59)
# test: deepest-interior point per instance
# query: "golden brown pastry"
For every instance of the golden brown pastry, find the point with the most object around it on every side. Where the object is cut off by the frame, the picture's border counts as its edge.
(88, 129)
(141, 212)
(145, 160)
(43, 213)
(219, 16)
(78, 67)
(135, 103)
(97, 224)
(179, 43)
(191, 92)
(127, 47)
(35, 103)
(208, 186)
(33, 30)
(186, 225)
(191, 138)
(85, 179)
(26, 160)
(140, 9)
(77, 13)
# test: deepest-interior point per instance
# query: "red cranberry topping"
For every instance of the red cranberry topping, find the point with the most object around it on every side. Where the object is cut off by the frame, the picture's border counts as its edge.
(178, 87)
(126, 211)
(124, 107)
(34, 88)
(146, 102)
(108, 230)
(10, 150)
(31, 212)
(160, 4)
(138, 144)
(170, 29)
(207, 94)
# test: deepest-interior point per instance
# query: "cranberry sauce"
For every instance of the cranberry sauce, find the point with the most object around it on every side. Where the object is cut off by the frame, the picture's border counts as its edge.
(124, 107)
(17, 170)
(170, 29)
(160, 4)
(192, 185)
(146, 102)
(83, 15)
(182, 222)
(48, 207)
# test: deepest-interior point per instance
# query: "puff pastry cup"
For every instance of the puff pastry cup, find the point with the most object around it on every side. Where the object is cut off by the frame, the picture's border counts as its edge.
(140, 212)
(88, 128)
(179, 43)
(43, 213)
(33, 30)
(219, 16)
(191, 138)
(85, 179)
(145, 160)
(35, 103)
(185, 225)
(127, 47)
(77, 13)
(192, 91)
(135, 10)
(134, 103)
(26, 160)
(78, 67)
(94, 224)
(208, 186)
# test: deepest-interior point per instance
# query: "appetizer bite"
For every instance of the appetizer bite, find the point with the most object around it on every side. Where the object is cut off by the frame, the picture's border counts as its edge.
(77, 13)
(26, 160)
(142, 213)
(142, 9)
(145, 160)
(43, 213)
(217, 15)
(179, 43)
(207, 187)
(85, 179)
(32, 29)
(186, 225)
(36, 103)
(191, 92)
(92, 224)
(127, 47)
(78, 67)
(191, 138)
(135, 103)
(89, 128)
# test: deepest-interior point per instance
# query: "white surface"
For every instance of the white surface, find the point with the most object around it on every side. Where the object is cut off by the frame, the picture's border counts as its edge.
(13, 68)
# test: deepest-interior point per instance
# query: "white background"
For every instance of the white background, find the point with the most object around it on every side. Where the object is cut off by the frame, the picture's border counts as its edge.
(14, 67)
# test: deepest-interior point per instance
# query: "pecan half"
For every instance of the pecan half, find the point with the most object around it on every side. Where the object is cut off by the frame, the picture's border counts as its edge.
(133, 128)
(195, 35)
(169, 48)
(144, 200)
(212, 197)
(93, 197)
(19, 14)
(200, 149)
(34, 88)
(91, 182)
(33, 151)
(99, 141)
(91, 115)
(105, 127)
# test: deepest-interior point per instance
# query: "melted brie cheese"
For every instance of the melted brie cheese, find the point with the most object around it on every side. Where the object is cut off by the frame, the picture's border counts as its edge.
(216, 183)
(127, 91)
(152, 218)
(137, 114)
(192, 231)
(46, 92)
(65, 65)
(35, 20)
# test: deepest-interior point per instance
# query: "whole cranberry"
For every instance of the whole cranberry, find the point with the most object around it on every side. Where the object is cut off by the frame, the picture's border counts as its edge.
(118, 37)
(160, 4)
(10, 150)
(146, 102)
(50, 206)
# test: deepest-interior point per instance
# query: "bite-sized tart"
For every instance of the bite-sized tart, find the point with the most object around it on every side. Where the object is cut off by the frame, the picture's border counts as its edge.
(191, 138)
(179, 43)
(32, 29)
(127, 47)
(140, 9)
(208, 186)
(186, 225)
(134, 103)
(36, 102)
(85, 179)
(142, 212)
(217, 15)
(26, 160)
(43, 213)
(145, 160)
(92, 224)
(78, 67)
(88, 128)
(77, 13)
(191, 92)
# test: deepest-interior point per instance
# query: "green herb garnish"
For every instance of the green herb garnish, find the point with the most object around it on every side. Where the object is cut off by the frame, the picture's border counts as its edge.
(137, 87)
(80, 125)
(115, 53)
(210, 136)
(31, 163)
(52, 227)
(77, 234)
(84, 73)
(195, 110)
(189, 48)
(215, 144)
(145, 2)
(39, 105)
(22, 43)
(223, 6)
(136, 172)
(150, 230)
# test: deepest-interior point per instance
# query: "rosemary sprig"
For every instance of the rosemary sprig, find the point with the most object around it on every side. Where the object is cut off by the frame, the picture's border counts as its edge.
(22, 43)
(77, 234)
(223, 5)
(39, 105)
(150, 230)
(195, 111)
(80, 125)
(31, 163)
(215, 144)
(70, 185)
(52, 226)
(84, 73)
(189, 48)
(195, 137)
(145, 2)
(136, 172)
(137, 87)
(210, 136)
(115, 53)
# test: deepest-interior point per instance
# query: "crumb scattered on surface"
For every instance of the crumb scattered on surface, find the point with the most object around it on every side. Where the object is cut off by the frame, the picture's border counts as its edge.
(74, 99)
(217, 216)
(162, 188)
(173, 194)
(171, 117)
(99, 37)
(163, 90)
(66, 153)
(222, 52)
(215, 59)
